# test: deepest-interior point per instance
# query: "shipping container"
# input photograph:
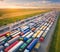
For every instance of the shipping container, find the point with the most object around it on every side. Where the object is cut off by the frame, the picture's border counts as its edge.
(33, 29)
(32, 44)
(11, 41)
(21, 38)
(42, 27)
(16, 34)
(26, 34)
(9, 47)
(29, 40)
(36, 34)
(40, 34)
(25, 31)
(4, 34)
(24, 28)
(43, 36)
(2, 38)
(29, 35)
(2, 43)
(16, 47)
(36, 48)
(23, 46)
(32, 24)
(1, 47)
(25, 39)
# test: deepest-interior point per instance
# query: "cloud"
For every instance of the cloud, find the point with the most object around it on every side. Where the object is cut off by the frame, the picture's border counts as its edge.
(38, 3)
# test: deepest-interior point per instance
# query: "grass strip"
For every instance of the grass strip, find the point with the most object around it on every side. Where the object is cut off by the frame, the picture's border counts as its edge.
(54, 47)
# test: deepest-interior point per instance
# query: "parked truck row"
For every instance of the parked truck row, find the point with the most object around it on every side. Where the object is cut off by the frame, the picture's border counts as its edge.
(27, 36)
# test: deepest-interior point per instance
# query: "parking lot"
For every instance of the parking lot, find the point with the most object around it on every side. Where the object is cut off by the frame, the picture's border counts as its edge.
(31, 35)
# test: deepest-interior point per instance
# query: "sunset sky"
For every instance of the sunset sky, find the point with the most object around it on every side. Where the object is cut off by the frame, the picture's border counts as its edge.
(29, 3)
